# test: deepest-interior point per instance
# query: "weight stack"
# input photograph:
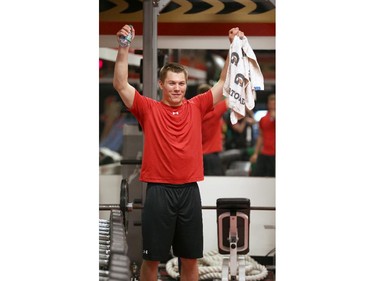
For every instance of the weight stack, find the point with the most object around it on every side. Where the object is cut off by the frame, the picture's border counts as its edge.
(114, 264)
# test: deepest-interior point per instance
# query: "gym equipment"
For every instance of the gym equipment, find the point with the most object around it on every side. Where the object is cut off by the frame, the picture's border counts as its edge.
(113, 261)
(233, 235)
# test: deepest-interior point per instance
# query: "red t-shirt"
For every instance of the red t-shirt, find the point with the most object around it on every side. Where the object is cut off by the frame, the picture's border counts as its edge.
(268, 125)
(172, 149)
(212, 138)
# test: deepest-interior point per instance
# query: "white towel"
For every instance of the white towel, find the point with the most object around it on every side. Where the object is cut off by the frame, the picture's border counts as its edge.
(244, 77)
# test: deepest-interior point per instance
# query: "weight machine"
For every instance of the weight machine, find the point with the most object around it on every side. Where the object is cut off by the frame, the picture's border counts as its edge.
(233, 225)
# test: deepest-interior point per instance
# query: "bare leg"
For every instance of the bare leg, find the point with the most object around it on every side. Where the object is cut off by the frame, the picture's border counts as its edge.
(189, 270)
(149, 271)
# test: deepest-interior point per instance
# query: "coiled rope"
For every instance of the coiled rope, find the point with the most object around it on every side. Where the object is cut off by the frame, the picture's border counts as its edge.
(210, 266)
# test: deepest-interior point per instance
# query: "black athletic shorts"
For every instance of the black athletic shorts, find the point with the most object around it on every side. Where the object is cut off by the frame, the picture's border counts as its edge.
(172, 216)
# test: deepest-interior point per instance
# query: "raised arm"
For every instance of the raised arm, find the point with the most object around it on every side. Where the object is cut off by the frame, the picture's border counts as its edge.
(120, 77)
(217, 89)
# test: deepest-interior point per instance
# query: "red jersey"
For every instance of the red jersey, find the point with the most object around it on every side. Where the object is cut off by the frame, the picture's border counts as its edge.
(212, 136)
(268, 125)
(172, 149)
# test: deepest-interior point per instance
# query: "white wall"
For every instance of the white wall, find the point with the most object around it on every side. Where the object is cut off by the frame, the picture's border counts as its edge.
(260, 191)
(192, 42)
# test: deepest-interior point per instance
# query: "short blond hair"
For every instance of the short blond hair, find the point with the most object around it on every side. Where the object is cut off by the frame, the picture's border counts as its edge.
(174, 67)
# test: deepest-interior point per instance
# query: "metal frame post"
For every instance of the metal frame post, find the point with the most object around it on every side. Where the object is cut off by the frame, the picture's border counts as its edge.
(150, 25)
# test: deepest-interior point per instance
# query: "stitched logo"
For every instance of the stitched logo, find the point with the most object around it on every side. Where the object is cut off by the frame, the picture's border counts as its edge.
(234, 58)
(240, 80)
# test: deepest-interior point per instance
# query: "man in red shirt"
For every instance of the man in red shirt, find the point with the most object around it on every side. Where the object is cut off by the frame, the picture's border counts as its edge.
(265, 148)
(172, 161)
(212, 136)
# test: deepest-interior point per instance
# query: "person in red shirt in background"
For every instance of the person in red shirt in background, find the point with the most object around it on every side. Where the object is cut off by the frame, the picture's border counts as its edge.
(264, 155)
(172, 161)
(212, 136)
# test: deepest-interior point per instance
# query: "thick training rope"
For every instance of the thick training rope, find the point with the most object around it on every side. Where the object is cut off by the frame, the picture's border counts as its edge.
(210, 267)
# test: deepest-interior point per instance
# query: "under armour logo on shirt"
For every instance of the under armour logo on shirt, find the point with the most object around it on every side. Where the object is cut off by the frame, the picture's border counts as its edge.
(175, 112)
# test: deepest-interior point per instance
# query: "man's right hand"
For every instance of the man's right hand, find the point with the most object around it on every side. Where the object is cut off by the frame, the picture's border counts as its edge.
(125, 30)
